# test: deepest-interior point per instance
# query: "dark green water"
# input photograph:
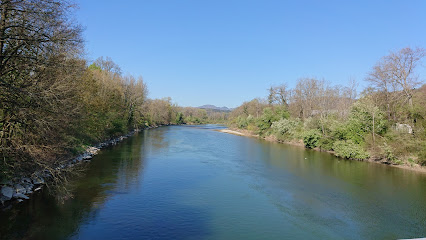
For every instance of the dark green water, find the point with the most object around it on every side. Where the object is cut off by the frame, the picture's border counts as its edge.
(190, 182)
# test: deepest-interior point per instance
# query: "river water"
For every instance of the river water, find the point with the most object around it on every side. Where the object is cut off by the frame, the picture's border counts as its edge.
(192, 182)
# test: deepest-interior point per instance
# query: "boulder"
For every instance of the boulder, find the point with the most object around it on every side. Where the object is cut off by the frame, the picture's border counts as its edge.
(93, 150)
(20, 195)
(20, 189)
(6, 193)
(26, 180)
(29, 187)
(405, 128)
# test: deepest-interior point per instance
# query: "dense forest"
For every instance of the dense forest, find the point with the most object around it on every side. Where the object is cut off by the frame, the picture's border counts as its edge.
(54, 102)
(386, 122)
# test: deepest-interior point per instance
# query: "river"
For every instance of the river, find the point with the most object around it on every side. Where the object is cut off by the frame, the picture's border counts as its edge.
(192, 182)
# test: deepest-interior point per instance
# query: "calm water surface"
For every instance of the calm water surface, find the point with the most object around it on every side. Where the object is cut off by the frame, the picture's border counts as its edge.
(191, 182)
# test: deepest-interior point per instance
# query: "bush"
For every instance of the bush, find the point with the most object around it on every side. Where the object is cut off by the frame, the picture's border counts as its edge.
(179, 118)
(350, 150)
(285, 127)
(242, 122)
(388, 153)
(265, 121)
(311, 138)
(326, 143)
(422, 155)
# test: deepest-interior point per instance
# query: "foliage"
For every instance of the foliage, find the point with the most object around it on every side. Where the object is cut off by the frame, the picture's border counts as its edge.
(350, 150)
(52, 102)
(311, 138)
(179, 118)
(332, 117)
(38, 81)
(286, 128)
(360, 123)
(326, 143)
(388, 153)
(269, 116)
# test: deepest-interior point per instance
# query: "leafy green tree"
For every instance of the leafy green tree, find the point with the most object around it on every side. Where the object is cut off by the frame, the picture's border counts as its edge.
(179, 118)
(365, 118)
(311, 138)
(286, 128)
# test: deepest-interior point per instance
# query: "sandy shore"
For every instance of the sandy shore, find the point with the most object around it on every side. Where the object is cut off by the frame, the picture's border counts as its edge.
(247, 133)
(236, 132)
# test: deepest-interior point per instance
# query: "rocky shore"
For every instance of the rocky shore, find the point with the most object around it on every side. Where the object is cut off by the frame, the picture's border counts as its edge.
(21, 189)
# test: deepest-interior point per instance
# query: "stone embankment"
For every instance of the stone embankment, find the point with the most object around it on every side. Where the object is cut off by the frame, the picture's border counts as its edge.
(20, 189)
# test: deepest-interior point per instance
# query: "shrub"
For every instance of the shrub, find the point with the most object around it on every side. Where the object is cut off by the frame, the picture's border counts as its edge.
(265, 121)
(350, 150)
(311, 138)
(285, 127)
(422, 154)
(179, 118)
(388, 153)
(312, 123)
(242, 122)
(326, 143)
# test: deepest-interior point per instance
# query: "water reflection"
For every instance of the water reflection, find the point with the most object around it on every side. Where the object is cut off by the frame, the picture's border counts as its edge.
(110, 173)
(317, 189)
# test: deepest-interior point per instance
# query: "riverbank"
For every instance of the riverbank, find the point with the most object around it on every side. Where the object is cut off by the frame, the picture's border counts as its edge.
(246, 133)
(21, 188)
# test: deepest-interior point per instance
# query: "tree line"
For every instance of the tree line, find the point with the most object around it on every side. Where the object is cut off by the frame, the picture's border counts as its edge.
(385, 122)
(53, 102)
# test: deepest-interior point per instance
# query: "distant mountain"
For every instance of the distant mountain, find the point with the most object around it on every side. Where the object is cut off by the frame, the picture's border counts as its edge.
(214, 108)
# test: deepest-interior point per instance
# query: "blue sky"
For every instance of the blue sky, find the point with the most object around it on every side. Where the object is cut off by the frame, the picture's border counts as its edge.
(225, 52)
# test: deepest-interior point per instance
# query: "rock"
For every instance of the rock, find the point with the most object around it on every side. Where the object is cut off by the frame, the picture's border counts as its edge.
(38, 180)
(37, 189)
(6, 193)
(404, 128)
(26, 180)
(29, 187)
(87, 157)
(20, 189)
(92, 150)
(20, 200)
(20, 195)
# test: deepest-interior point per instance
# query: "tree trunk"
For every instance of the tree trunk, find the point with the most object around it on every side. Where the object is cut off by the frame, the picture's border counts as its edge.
(374, 137)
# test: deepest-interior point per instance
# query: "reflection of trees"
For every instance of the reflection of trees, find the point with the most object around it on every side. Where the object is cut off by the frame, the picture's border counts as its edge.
(131, 163)
(154, 139)
(311, 164)
(346, 191)
(43, 217)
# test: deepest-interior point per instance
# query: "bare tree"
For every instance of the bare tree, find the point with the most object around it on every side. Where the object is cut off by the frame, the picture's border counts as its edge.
(306, 95)
(38, 46)
(108, 65)
(279, 95)
(394, 76)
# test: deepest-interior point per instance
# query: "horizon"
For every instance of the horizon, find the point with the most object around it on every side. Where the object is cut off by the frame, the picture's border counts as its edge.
(225, 53)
